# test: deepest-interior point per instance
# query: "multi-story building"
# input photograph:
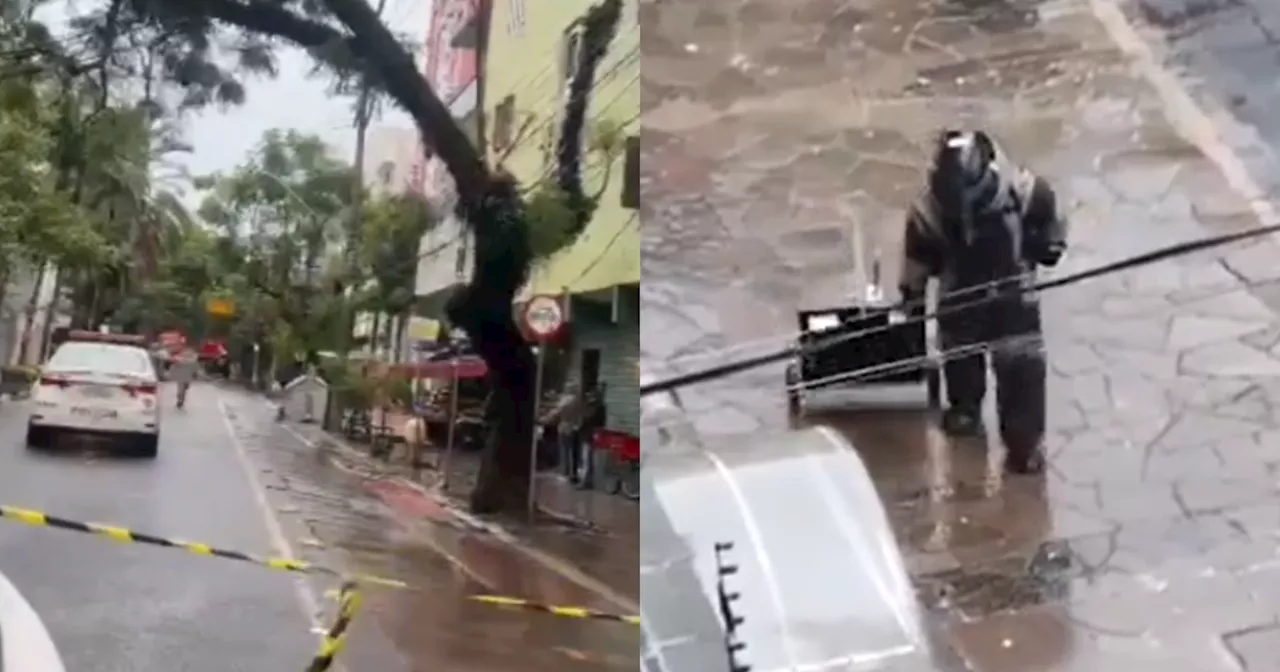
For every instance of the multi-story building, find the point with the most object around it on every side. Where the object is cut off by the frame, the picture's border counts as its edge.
(450, 64)
(531, 56)
(14, 314)
(392, 159)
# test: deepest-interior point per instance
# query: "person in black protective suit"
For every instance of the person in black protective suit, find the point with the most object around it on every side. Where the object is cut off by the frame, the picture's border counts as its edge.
(984, 225)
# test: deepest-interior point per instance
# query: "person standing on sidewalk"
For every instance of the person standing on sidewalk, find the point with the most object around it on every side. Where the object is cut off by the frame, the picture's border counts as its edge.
(594, 416)
(982, 226)
(566, 417)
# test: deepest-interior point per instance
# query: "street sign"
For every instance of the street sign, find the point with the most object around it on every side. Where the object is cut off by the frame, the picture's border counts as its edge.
(543, 316)
(220, 307)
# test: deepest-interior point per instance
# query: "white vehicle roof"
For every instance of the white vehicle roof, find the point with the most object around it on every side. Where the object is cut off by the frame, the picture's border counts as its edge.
(821, 579)
(92, 357)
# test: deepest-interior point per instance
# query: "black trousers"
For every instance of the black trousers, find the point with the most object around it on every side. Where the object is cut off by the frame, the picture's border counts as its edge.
(1006, 336)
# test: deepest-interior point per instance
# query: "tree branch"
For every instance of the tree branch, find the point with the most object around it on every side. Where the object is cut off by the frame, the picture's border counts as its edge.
(269, 19)
(399, 77)
(604, 180)
(599, 26)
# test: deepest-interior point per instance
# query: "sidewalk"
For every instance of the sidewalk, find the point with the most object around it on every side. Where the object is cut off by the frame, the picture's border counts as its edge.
(1152, 542)
(607, 553)
(336, 510)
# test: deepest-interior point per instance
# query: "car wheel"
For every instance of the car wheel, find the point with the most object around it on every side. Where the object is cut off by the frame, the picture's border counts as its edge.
(39, 438)
(145, 446)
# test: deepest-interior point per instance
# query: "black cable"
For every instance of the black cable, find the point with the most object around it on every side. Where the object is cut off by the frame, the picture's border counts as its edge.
(1002, 293)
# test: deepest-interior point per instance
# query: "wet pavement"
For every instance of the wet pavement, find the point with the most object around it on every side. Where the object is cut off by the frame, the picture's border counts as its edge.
(591, 534)
(1226, 52)
(230, 476)
(112, 607)
(772, 129)
(344, 510)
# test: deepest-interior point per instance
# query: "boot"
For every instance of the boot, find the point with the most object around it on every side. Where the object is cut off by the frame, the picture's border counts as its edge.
(1024, 457)
(962, 422)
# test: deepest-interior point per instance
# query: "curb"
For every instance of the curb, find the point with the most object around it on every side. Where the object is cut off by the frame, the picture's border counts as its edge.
(563, 567)
(465, 517)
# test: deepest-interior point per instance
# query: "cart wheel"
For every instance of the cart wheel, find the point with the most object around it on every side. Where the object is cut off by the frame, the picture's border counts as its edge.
(933, 384)
(629, 481)
(794, 407)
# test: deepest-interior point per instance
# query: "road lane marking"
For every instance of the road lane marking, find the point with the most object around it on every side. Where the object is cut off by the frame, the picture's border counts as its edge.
(307, 599)
(27, 642)
(556, 565)
(1184, 113)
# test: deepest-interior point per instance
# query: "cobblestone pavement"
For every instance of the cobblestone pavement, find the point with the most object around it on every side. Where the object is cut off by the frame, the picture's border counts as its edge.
(772, 129)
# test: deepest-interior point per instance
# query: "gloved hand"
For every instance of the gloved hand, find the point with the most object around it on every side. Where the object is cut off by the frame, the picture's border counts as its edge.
(912, 300)
(1052, 254)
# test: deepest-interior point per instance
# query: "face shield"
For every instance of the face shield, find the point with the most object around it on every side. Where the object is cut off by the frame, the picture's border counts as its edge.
(961, 164)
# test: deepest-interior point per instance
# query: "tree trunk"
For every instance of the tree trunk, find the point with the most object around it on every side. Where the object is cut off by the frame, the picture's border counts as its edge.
(55, 300)
(485, 314)
(33, 304)
(388, 333)
(402, 325)
(493, 209)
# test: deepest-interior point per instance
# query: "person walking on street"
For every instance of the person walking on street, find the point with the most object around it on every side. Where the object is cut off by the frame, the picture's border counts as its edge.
(183, 371)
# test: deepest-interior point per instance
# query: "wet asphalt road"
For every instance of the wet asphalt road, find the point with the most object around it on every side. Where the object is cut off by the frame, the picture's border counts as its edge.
(338, 510)
(132, 608)
(1227, 53)
(223, 463)
(773, 131)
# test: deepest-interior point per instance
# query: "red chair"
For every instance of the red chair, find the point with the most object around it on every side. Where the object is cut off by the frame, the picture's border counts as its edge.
(624, 447)
(625, 471)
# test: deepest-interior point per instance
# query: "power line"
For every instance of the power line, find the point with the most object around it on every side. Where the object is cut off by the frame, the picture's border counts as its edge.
(601, 79)
(632, 222)
(552, 166)
(1003, 293)
(541, 74)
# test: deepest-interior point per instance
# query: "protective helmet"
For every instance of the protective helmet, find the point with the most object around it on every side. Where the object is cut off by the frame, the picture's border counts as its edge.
(962, 174)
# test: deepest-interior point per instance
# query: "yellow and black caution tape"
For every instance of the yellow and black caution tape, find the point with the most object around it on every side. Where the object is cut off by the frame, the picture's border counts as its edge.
(563, 612)
(335, 638)
(125, 535)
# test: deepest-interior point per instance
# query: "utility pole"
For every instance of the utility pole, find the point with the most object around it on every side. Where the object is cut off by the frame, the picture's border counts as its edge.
(364, 114)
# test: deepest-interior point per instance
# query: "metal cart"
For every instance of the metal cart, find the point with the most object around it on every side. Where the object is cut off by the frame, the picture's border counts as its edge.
(898, 337)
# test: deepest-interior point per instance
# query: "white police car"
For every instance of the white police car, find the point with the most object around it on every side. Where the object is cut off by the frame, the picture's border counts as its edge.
(99, 386)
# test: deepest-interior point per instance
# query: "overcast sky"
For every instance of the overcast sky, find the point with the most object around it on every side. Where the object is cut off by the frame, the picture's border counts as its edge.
(223, 138)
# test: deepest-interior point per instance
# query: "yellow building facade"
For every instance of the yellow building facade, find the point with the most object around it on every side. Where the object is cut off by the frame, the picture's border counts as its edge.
(530, 46)
(529, 60)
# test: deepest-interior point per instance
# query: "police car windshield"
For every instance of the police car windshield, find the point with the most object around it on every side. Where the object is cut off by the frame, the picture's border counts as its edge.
(109, 358)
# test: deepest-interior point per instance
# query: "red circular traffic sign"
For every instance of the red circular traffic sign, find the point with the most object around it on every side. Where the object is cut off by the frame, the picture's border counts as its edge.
(543, 316)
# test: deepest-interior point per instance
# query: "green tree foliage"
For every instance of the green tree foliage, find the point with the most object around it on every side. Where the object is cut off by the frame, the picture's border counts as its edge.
(203, 47)
(281, 219)
(393, 227)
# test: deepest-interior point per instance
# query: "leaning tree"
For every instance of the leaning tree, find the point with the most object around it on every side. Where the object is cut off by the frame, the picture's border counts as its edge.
(349, 34)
